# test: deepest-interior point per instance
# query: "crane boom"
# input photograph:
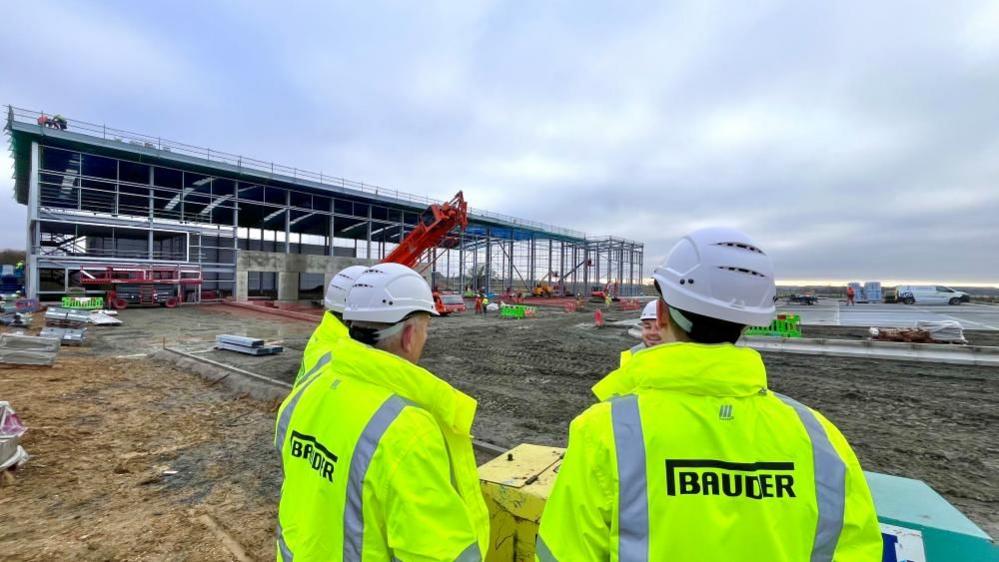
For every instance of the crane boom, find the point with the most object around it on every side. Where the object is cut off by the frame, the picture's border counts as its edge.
(434, 226)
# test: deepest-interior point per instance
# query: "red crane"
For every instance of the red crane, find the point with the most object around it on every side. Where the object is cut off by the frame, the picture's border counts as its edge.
(435, 225)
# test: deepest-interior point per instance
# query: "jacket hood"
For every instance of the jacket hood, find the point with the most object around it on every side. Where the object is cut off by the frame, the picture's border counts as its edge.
(693, 368)
(453, 409)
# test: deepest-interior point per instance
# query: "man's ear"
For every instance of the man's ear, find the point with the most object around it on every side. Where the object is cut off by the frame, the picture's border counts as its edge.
(406, 337)
(662, 309)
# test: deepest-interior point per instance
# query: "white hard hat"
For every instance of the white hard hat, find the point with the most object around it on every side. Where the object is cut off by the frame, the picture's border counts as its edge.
(387, 293)
(336, 291)
(650, 310)
(719, 273)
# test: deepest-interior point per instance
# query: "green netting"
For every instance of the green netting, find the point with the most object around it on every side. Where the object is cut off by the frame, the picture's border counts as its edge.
(516, 311)
(83, 303)
(785, 326)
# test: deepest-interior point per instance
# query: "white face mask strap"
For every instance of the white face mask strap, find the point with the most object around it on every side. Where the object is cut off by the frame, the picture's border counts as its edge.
(681, 320)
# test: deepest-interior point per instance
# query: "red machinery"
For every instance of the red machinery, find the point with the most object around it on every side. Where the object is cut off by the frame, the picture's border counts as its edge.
(433, 229)
(142, 285)
(600, 293)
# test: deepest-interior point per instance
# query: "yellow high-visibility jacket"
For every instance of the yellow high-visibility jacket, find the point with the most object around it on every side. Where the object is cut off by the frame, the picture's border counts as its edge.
(691, 458)
(628, 353)
(322, 340)
(378, 464)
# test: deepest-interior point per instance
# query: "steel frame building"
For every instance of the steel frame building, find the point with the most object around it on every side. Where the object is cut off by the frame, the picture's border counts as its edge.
(97, 196)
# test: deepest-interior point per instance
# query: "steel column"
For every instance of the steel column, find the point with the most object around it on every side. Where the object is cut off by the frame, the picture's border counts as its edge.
(149, 250)
(620, 268)
(287, 221)
(33, 239)
(475, 267)
(368, 254)
(332, 250)
(561, 266)
(596, 263)
(532, 257)
(489, 260)
(509, 271)
(461, 262)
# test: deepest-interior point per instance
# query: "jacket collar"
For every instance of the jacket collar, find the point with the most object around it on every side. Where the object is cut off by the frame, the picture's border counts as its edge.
(453, 409)
(332, 326)
(710, 370)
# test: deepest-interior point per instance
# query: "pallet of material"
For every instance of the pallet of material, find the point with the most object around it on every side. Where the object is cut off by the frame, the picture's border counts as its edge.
(16, 349)
(66, 318)
(247, 346)
(68, 336)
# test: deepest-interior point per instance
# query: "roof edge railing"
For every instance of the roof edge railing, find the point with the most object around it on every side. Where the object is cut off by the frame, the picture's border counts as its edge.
(159, 143)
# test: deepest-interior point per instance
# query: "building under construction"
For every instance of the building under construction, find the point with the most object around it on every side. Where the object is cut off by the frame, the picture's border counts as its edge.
(102, 201)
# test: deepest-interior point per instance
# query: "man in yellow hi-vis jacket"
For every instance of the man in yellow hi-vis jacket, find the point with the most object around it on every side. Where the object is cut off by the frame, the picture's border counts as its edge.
(332, 328)
(376, 451)
(651, 335)
(690, 457)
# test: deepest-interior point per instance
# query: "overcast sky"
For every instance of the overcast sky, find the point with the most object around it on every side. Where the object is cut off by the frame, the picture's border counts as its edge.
(853, 140)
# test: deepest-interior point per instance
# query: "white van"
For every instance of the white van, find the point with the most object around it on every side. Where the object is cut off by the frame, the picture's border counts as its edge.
(930, 294)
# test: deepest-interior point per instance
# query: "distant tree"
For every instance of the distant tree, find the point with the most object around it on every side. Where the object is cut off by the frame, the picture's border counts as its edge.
(11, 256)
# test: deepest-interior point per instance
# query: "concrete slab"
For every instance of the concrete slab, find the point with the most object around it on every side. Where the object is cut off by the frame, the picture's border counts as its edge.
(971, 316)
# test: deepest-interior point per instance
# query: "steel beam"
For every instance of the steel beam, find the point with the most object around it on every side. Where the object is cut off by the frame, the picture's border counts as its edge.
(489, 260)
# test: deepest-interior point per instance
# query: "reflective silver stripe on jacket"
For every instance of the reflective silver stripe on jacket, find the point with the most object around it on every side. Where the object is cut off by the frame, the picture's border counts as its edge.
(470, 554)
(543, 552)
(633, 496)
(286, 555)
(830, 483)
(353, 514)
(285, 418)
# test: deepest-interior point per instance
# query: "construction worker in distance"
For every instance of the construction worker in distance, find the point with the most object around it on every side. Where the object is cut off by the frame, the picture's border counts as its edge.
(376, 451)
(850, 295)
(651, 335)
(332, 328)
(689, 456)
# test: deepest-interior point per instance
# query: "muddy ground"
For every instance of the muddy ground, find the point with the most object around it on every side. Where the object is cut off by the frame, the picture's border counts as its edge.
(103, 430)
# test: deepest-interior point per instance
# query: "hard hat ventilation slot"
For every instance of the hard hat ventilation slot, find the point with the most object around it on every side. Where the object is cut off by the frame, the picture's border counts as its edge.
(742, 270)
(741, 246)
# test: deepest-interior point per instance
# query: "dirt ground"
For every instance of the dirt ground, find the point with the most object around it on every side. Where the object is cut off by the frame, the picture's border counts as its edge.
(103, 429)
(104, 438)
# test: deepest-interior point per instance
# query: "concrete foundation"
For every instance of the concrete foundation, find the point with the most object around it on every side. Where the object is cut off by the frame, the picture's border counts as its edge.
(287, 286)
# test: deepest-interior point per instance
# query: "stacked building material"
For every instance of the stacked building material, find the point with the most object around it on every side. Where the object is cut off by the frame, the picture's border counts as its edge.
(66, 318)
(245, 345)
(872, 291)
(945, 331)
(68, 336)
(858, 291)
(104, 318)
(16, 349)
(15, 319)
